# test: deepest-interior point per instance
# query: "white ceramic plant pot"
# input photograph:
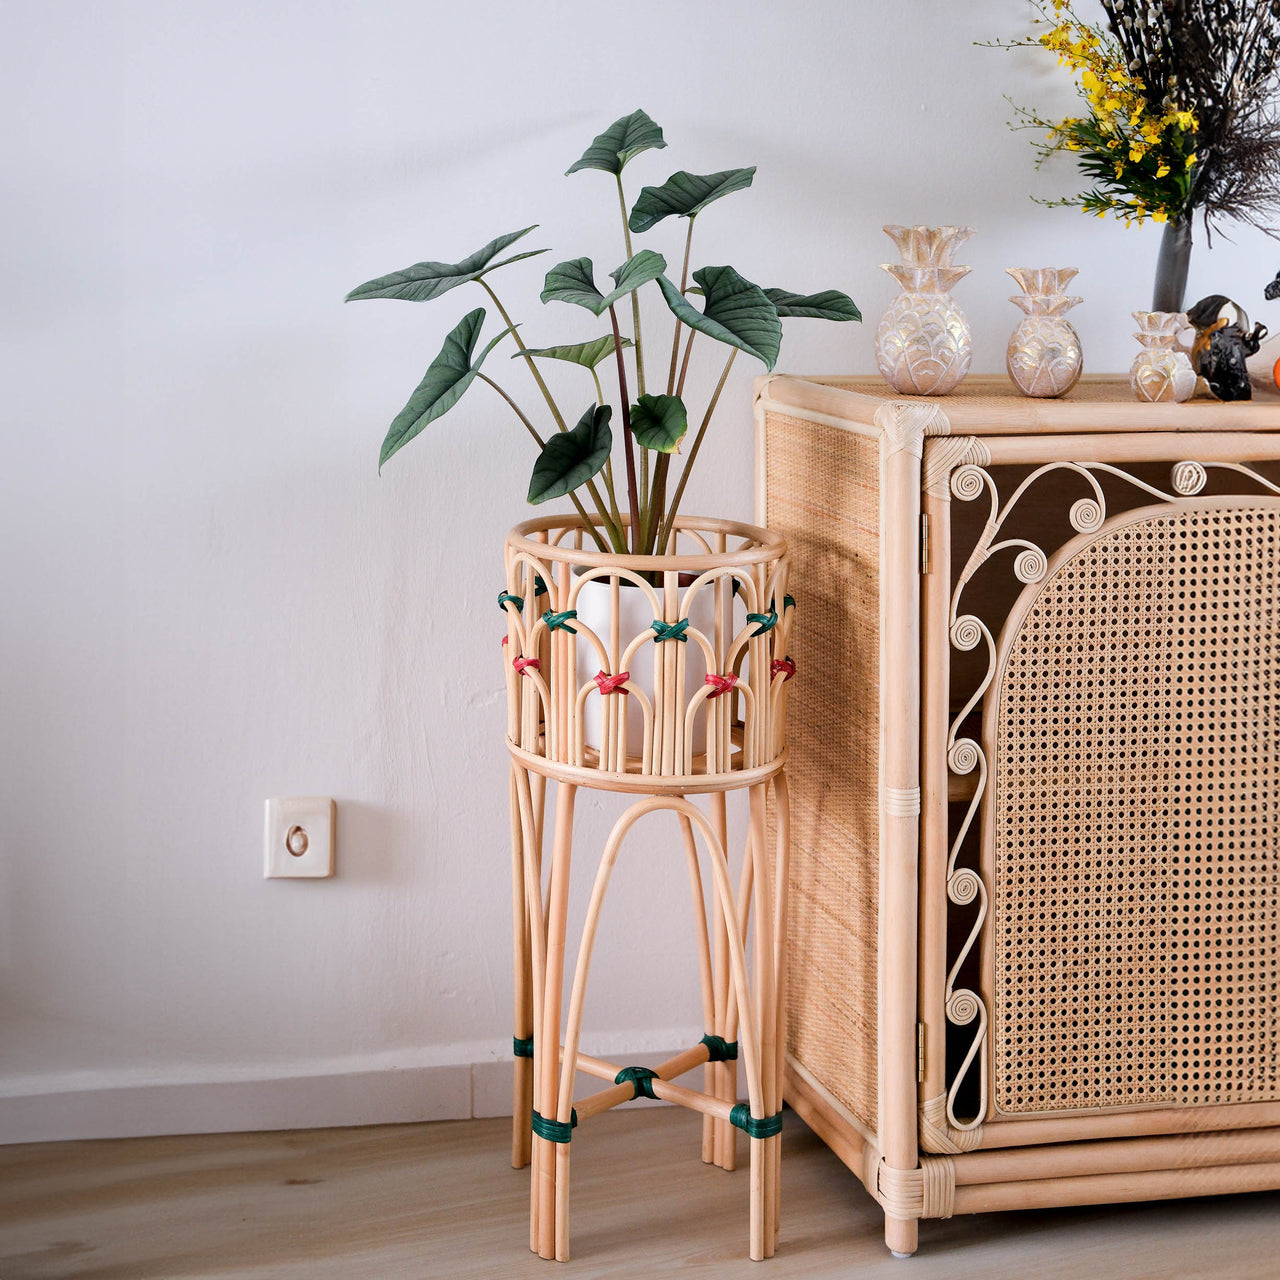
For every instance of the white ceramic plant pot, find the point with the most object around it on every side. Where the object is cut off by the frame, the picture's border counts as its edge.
(635, 616)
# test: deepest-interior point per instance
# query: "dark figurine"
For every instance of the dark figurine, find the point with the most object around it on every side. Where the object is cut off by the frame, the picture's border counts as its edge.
(1223, 343)
(1272, 291)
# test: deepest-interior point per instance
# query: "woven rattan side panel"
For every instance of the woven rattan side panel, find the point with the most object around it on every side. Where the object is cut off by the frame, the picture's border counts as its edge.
(823, 496)
(1136, 927)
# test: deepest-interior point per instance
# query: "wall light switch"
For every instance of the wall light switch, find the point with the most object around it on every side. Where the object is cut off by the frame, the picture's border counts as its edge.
(299, 841)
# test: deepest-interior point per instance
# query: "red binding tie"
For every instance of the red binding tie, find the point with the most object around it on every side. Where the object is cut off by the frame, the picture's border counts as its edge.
(526, 664)
(721, 684)
(612, 684)
(782, 666)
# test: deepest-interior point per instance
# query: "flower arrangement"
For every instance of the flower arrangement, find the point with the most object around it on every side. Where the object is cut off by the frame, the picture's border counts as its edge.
(735, 313)
(1139, 151)
(1180, 115)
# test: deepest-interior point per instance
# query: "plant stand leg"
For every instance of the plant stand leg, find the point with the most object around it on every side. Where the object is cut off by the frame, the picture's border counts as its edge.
(522, 1026)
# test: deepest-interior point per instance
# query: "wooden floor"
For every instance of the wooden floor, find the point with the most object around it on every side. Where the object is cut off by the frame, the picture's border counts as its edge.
(440, 1200)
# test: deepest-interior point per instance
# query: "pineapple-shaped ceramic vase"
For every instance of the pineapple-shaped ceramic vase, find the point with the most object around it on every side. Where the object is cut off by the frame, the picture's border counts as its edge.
(1162, 369)
(923, 345)
(1044, 357)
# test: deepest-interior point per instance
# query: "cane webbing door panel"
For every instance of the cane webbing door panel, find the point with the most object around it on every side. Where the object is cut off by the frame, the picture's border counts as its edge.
(1134, 831)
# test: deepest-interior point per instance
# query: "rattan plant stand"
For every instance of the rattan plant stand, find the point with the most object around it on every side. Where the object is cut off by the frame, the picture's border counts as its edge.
(659, 677)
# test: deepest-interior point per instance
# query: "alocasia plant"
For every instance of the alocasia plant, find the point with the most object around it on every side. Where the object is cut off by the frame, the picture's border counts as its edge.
(734, 312)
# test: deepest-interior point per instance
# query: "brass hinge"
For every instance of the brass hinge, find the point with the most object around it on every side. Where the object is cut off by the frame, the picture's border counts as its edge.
(924, 543)
(920, 1053)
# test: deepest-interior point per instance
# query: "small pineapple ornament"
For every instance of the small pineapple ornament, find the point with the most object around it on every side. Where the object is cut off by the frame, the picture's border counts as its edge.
(1162, 369)
(923, 346)
(1044, 357)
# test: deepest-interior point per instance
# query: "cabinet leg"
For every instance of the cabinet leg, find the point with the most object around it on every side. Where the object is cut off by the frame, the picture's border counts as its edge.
(902, 1236)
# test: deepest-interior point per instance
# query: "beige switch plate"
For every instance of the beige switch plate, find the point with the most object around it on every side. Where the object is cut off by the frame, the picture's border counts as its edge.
(299, 838)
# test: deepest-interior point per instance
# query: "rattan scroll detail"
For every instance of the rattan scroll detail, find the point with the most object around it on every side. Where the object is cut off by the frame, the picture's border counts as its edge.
(823, 497)
(946, 456)
(1136, 798)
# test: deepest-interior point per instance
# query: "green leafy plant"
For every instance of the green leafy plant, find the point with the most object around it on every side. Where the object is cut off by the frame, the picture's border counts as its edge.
(735, 313)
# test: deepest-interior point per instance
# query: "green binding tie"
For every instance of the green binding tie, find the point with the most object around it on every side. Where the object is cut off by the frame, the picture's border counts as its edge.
(522, 1048)
(671, 630)
(741, 1118)
(788, 602)
(767, 621)
(554, 1130)
(719, 1049)
(505, 598)
(560, 621)
(639, 1078)
(540, 587)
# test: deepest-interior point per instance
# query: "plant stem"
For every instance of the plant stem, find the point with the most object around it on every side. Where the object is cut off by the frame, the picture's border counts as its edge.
(577, 502)
(684, 284)
(655, 514)
(635, 297)
(484, 377)
(669, 522)
(684, 368)
(528, 359)
(635, 324)
(546, 395)
(633, 497)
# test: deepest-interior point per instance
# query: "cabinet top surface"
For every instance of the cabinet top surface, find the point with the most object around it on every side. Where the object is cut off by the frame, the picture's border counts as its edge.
(990, 405)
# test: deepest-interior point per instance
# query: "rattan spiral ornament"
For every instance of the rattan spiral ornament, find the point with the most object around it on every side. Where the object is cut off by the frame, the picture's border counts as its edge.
(1087, 515)
(968, 482)
(962, 1007)
(963, 755)
(1189, 478)
(1030, 565)
(966, 632)
(963, 887)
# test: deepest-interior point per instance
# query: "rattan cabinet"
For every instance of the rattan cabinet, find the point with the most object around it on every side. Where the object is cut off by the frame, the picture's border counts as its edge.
(1034, 937)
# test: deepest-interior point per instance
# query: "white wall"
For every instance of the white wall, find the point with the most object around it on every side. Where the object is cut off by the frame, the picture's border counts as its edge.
(210, 597)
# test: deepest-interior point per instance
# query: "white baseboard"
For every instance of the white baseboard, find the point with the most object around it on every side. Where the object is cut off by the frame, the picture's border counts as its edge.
(386, 1095)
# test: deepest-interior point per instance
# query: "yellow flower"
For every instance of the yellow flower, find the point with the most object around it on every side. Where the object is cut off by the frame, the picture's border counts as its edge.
(1159, 215)
(1191, 159)
(1163, 170)
(1136, 152)
(1185, 119)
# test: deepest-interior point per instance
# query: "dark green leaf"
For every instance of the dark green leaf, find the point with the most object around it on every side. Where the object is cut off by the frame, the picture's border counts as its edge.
(622, 140)
(830, 304)
(449, 375)
(587, 354)
(685, 195)
(736, 312)
(574, 281)
(645, 266)
(571, 458)
(659, 422)
(427, 280)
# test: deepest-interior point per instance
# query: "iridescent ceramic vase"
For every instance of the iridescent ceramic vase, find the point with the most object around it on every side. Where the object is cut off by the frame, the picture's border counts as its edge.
(923, 346)
(1044, 357)
(1162, 369)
